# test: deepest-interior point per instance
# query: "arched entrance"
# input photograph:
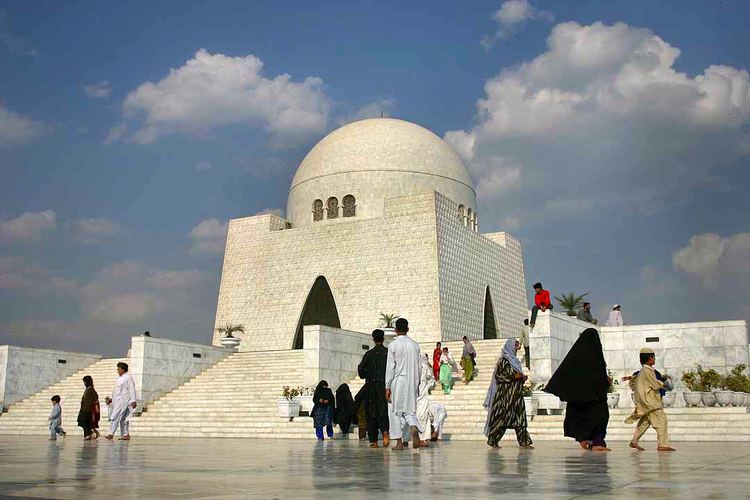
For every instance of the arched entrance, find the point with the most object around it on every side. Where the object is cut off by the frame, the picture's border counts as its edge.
(320, 309)
(490, 328)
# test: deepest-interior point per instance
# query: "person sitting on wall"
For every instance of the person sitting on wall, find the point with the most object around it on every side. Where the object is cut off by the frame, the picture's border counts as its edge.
(541, 301)
(585, 314)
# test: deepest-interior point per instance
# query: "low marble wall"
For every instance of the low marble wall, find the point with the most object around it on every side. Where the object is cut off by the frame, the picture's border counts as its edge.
(161, 365)
(549, 342)
(25, 371)
(720, 345)
(332, 354)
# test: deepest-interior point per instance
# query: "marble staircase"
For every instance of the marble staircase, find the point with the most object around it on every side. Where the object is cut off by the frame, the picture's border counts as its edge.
(30, 416)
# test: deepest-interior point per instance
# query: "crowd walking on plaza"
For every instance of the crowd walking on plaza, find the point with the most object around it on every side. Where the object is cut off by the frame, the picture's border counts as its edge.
(395, 406)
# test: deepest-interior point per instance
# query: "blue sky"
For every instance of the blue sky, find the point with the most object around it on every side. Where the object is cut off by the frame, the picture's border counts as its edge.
(611, 137)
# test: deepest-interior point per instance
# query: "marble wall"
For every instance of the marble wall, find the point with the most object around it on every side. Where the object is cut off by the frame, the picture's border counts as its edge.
(332, 354)
(25, 371)
(161, 365)
(679, 347)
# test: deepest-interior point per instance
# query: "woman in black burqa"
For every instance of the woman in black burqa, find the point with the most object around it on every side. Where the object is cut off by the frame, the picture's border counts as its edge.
(346, 413)
(322, 412)
(581, 380)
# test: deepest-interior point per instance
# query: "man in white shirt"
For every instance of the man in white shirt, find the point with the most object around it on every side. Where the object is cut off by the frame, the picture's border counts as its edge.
(123, 403)
(615, 316)
(402, 376)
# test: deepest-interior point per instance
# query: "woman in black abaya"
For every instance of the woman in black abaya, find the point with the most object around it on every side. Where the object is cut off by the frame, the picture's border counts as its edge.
(581, 380)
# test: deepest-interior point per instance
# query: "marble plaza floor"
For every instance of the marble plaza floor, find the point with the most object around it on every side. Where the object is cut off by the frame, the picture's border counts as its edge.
(31, 467)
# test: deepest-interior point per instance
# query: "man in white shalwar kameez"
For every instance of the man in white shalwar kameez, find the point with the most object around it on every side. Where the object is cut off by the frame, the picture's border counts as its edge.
(123, 403)
(426, 382)
(402, 376)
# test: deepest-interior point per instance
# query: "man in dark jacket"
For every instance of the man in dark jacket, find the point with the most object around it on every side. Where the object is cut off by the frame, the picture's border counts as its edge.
(372, 369)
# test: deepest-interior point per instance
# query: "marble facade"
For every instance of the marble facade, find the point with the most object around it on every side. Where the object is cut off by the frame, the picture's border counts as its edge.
(25, 370)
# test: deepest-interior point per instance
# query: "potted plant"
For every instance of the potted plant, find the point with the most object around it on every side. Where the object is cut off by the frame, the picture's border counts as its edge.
(669, 398)
(288, 407)
(388, 321)
(737, 382)
(230, 340)
(613, 397)
(708, 381)
(724, 396)
(305, 399)
(692, 395)
(547, 402)
(530, 402)
(571, 303)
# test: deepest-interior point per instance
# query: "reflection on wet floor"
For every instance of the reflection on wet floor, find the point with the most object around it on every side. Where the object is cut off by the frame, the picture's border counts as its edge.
(32, 467)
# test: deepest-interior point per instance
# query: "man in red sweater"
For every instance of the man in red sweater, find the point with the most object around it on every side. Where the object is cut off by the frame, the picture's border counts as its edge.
(542, 301)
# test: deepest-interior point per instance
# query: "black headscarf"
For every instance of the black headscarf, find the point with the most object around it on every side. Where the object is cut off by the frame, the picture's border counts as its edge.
(322, 391)
(582, 376)
(345, 413)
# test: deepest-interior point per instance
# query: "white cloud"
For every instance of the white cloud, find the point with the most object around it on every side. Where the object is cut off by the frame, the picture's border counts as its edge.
(208, 237)
(16, 128)
(603, 118)
(124, 308)
(214, 90)
(715, 260)
(96, 229)
(28, 226)
(14, 44)
(273, 211)
(17, 273)
(204, 165)
(98, 90)
(382, 107)
(116, 133)
(511, 15)
(177, 279)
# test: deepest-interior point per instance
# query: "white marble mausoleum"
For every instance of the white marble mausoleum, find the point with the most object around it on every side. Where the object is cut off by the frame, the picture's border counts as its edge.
(382, 218)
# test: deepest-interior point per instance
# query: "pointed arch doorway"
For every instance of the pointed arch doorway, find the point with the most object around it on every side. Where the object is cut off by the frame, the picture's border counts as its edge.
(319, 309)
(489, 331)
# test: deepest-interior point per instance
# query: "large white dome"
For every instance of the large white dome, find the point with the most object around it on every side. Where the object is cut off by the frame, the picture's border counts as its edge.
(375, 159)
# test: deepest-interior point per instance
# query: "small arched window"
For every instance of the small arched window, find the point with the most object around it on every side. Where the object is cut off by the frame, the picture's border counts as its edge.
(476, 222)
(470, 216)
(317, 210)
(350, 206)
(462, 214)
(333, 207)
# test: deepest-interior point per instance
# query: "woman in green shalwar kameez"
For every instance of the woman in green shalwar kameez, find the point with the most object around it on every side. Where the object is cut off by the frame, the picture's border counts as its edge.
(446, 371)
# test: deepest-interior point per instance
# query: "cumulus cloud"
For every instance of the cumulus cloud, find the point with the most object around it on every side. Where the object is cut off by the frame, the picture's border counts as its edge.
(510, 16)
(116, 133)
(98, 90)
(96, 229)
(214, 90)
(714, 260)
(134, 292)
(16, 128)
(176, 279)
(28, 226)
(208, 237)
(380, 107)
(603, 118)
(17, 273)
(13, 43)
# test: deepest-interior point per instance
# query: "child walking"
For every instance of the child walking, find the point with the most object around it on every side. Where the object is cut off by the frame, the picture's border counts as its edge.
(55, 419)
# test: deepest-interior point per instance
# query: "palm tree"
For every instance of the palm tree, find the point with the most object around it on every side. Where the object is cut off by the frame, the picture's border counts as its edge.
(388, 319)
(229, 329)
(571, 303)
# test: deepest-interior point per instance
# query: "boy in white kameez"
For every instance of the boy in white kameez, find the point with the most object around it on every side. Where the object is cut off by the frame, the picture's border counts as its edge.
(123, 403)
(437, 417)
(426, 383)
(402, 376)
